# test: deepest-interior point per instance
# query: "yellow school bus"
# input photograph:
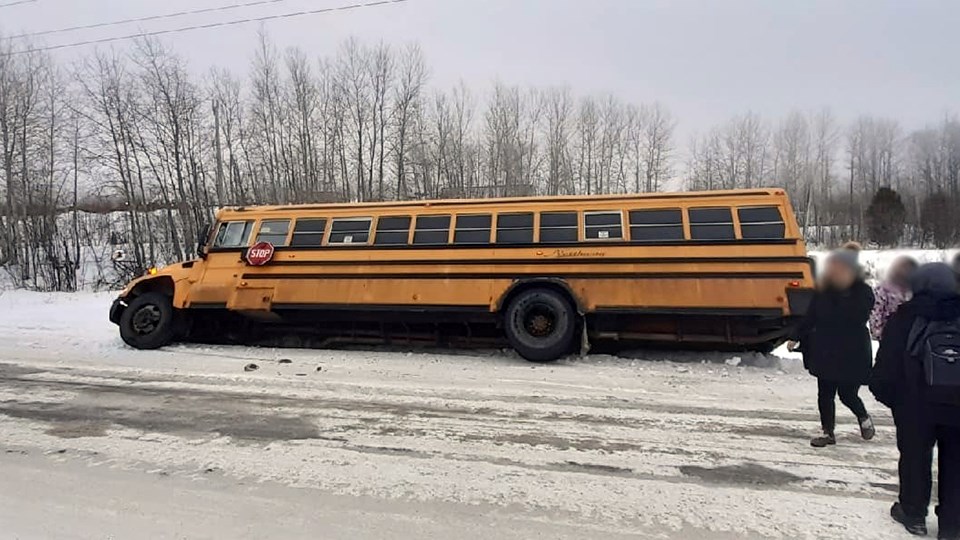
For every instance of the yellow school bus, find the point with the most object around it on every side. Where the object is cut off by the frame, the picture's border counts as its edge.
(550, 274)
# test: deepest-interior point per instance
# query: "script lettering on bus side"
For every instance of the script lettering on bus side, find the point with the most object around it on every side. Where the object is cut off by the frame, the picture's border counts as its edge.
(575, 253)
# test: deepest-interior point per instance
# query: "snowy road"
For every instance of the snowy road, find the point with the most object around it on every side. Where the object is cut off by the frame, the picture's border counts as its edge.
(97, 440)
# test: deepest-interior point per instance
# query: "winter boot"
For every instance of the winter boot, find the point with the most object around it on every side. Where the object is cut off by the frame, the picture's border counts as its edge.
(827, 439)
(913, 525)
(867, 429)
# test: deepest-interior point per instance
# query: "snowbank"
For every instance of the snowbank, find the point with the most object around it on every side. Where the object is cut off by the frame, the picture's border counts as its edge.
(876, 262)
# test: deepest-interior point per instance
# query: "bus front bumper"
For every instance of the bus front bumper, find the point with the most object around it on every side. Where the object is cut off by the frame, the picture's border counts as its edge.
(116, 310)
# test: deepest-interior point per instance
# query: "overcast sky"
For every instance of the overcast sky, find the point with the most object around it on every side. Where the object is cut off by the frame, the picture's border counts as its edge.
(705, 59)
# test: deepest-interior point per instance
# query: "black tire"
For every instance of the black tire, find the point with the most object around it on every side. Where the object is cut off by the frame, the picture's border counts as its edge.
(540, 324)
(148, 322)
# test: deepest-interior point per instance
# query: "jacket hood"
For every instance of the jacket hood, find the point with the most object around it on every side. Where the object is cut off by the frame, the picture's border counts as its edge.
(934, 278)
(935, 292)
(936, 306)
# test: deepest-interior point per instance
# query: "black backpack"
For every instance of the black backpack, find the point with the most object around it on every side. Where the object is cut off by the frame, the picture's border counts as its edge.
(937, 345)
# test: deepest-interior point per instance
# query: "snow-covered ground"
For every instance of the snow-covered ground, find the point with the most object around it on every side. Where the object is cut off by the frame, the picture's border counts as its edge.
(101, 441)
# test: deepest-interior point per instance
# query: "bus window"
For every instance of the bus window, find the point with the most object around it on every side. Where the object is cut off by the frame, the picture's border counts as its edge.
(656, 225)
(392, 231)
(558, 227)
(473, 229)
(602, 225)
(761, 223)
(233, 234)
(515, 228)
(308, 232)
(432, 230)
(711, 224)
(350, 231)
(274, 231)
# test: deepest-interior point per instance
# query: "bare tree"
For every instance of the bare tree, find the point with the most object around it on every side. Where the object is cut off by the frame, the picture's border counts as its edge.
(558, 112)
(657, 135)
(407, 94)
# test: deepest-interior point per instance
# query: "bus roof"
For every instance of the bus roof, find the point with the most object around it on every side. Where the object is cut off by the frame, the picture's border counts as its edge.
(766, 192)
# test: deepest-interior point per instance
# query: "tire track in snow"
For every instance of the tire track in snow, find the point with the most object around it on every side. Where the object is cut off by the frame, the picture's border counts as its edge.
(393, 425)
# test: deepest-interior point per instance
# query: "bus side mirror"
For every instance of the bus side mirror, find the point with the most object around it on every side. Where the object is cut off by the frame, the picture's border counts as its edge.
(202, 241)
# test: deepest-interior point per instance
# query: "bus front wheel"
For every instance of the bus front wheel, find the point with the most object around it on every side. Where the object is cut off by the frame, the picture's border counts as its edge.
(540, 324)
(148, 322)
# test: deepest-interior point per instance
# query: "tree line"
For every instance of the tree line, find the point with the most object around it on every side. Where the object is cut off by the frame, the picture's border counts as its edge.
(133, 149)
(842, 178)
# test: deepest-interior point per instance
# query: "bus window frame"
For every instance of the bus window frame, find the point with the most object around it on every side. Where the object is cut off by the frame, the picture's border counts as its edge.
(375, 229)
(322, 234)
(741, 223)
(621, 238)
(684, 231)
(415, 230)
(286, 238)
(455, 228)
(532, 228)
(224, 225)
(334, 220)
(576, 226)
(734, 222)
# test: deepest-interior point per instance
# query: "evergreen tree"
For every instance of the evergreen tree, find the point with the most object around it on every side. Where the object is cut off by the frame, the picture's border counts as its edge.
(886, 217)
(937, 220)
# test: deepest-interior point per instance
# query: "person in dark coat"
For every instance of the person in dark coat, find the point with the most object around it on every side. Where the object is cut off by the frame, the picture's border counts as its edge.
(956, 268)
(835, 342)
(898, 382)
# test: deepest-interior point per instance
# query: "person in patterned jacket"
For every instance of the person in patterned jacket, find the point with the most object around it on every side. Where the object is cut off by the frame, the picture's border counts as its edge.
(892, 292)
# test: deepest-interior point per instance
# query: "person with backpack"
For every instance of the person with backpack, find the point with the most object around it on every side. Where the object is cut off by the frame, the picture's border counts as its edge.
(917, 375)
(891, 293)
(835, 343)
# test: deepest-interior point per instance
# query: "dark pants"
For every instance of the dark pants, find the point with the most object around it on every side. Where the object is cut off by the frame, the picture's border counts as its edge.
(915, 440)
(826, 395)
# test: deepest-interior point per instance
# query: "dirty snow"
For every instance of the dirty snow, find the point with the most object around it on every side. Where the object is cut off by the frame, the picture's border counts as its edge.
(98, 440)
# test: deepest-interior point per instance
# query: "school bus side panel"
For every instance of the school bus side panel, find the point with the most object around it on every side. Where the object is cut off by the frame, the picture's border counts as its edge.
(622, 277)
(606, 276)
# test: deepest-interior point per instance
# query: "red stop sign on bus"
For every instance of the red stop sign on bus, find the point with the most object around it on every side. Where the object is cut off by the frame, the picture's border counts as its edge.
(260, 254)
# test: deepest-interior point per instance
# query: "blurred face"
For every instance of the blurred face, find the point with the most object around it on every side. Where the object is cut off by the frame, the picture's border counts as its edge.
(901, 270)
(838, 275)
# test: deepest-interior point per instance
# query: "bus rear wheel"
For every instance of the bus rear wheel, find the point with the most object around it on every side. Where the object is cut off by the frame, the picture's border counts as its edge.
(540, 324)
(148, 322)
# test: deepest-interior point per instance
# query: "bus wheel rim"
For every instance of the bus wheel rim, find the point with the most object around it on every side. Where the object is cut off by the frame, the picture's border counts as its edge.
(539, 320)
(146, 320)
